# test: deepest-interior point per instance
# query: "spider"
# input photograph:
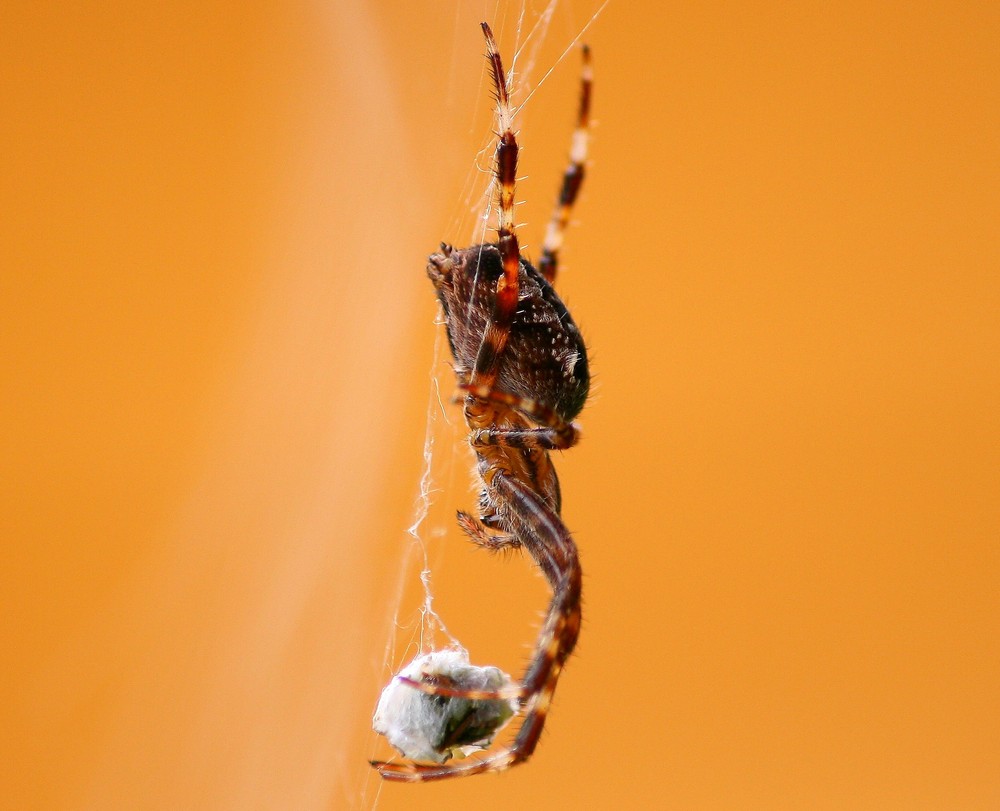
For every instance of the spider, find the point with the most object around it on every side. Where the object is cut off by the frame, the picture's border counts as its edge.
(522, 364)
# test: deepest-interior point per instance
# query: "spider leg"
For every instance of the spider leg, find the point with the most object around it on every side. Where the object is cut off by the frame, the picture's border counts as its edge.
(572, 179)
(555, 433)
(546, 439)
(546, 537)
(434, 689)
(498, 329)
(483, 538)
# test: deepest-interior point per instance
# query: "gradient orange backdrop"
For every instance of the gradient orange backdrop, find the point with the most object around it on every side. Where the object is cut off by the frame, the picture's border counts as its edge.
(217, 340)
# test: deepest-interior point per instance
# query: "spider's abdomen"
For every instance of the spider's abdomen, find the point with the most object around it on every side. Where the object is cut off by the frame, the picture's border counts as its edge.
(545, 359)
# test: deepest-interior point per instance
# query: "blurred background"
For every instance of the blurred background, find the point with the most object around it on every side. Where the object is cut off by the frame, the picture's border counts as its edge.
(219, 355)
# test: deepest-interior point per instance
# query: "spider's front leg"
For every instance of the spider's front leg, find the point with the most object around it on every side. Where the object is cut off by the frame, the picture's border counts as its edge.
(497, 332)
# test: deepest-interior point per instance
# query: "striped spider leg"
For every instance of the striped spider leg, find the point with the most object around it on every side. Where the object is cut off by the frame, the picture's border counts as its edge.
(522, 364)
(572, 179)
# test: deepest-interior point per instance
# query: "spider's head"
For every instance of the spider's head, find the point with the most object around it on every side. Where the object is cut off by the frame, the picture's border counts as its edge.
(465, 277)
(465, 282)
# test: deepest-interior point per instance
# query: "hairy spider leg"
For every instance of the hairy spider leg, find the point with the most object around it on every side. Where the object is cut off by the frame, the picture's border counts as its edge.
(572, 179)
(437, 689)
(483, 537)
(545, 536)
(556, 433)
(498, 329)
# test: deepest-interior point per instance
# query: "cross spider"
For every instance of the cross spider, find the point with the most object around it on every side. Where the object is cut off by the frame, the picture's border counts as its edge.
(522, 364)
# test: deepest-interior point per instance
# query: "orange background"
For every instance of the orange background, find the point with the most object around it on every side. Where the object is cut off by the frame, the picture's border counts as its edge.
(217, 336)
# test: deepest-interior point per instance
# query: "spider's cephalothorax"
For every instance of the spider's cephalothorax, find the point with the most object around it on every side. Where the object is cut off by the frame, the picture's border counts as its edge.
(522, 364)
